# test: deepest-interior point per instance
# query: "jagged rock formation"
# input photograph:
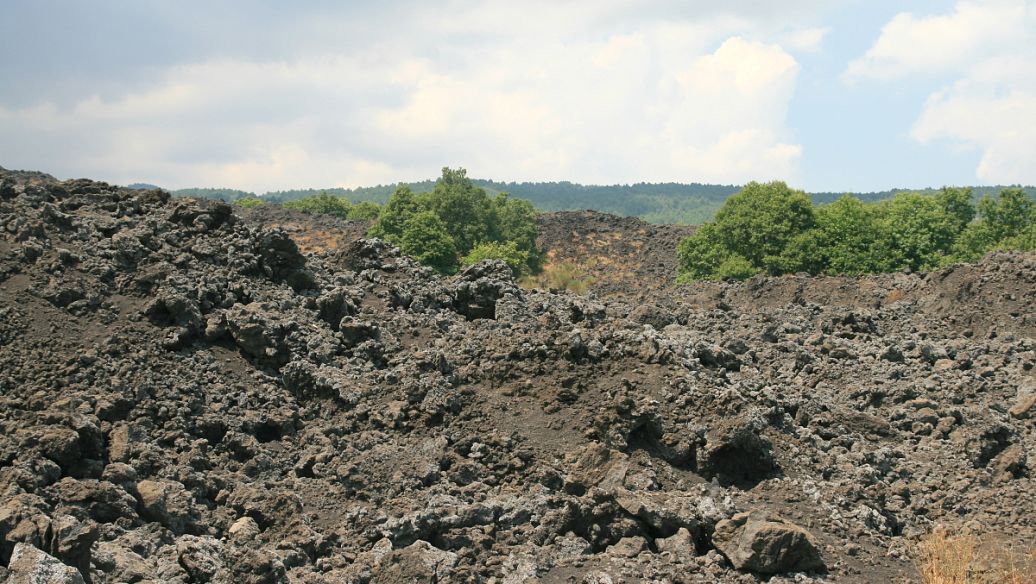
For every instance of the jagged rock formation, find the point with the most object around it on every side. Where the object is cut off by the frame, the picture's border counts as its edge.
(187, 397)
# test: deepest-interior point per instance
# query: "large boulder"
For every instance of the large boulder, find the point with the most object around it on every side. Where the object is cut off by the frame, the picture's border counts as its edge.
(760, 543)
(29, 565)
(478, 287)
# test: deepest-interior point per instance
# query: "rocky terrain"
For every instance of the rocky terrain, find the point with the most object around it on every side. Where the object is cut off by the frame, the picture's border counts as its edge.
(188, 397)
(623, 256)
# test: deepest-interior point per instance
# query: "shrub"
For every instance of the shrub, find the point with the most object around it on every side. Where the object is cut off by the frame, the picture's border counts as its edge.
(517, 259)
(249, 202)
(735, 267)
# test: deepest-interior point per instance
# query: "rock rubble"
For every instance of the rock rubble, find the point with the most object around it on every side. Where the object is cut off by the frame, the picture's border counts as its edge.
(187, 396)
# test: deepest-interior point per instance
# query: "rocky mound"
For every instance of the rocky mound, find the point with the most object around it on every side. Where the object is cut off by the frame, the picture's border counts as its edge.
(311, 232)
(622, 255)
(187, 397)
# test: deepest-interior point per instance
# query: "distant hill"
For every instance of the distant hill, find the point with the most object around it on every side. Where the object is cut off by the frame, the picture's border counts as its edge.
(688, 204)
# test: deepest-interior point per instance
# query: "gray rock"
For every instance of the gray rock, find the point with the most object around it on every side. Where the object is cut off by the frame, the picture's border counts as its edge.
(759, 543)
(29, 565)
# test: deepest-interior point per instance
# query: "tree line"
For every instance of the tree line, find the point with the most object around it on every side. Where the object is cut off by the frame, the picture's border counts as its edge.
(770, 228)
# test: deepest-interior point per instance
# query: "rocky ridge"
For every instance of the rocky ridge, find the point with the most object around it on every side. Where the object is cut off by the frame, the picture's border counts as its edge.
(188, 397)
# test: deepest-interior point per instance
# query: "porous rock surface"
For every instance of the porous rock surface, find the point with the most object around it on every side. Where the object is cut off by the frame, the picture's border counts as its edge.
(187, 397)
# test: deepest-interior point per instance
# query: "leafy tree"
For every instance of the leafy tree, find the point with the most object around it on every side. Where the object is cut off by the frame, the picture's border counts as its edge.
(1006, 222)
(843, 241)
(517, 259)
(1007, 215)
(700, 255)
(758, 222)
(465, 209)
(916, 232)
(957, 203)
(401, 206)
(515, 220)
(469, 216)
(426, 239)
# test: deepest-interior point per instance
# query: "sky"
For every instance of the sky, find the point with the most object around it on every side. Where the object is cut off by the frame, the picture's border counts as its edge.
(832, 95)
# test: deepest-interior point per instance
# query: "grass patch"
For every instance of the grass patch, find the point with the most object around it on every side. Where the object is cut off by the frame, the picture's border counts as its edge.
(943, 557)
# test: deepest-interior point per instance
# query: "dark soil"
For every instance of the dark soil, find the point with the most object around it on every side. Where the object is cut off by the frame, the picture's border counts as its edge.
(188, 397)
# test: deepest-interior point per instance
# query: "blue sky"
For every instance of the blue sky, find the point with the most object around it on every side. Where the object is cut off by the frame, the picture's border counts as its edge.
(827, 95)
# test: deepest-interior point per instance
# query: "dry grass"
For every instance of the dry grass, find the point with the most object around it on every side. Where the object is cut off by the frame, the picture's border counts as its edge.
(943, 557)
(561, 276)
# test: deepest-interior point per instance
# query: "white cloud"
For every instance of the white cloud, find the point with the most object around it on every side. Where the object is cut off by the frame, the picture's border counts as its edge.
(988, 49)
(994, 109)
(911, 45)
(547, 91)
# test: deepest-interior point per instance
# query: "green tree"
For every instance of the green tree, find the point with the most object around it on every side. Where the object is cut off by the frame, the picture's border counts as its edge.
(1005, 222)
(426, 239)
(957, 203)
(516, 259)
(700, 255)
(917, 232)
(1007, 215)
(758, 222)
(401, 206)
(464, 208)
(843, 240)
(468, 215)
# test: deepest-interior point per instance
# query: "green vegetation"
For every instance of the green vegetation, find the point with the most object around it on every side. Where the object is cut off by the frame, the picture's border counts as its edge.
(508, 252)
(770, 228)
(456, 220)
(328, 204)
(691, 204)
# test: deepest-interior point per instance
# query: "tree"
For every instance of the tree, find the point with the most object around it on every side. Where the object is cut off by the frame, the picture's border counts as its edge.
(401, 206)
(1006, 222)
(758, 222)
(364, 211)
(957, 203)
(464, 208)
(843, 241)
(699, 256)
(916, 232)
(425, 239)
(468, 215)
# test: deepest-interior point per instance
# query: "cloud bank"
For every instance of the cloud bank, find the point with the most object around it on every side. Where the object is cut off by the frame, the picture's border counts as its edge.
(600, 93)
